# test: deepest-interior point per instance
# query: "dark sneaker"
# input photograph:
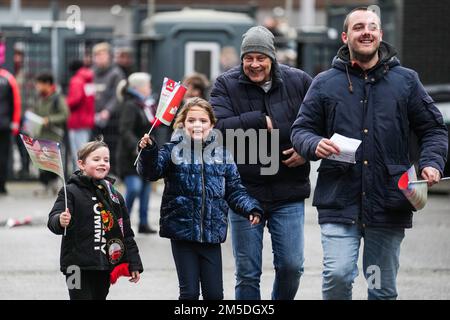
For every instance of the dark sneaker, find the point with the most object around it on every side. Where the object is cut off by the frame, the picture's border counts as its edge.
(146, 229)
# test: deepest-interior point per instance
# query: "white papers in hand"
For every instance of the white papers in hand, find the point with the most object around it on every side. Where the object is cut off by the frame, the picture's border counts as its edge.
(348, 147)
(32, 124)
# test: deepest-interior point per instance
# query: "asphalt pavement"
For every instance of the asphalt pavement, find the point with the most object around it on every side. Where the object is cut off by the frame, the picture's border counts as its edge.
(29, 255)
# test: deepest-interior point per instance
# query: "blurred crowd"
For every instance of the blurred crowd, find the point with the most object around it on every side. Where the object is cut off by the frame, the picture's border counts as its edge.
(105, 97)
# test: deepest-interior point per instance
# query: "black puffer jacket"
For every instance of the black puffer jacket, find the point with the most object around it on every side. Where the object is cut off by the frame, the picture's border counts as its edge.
(241, 104)
(82, 245)
(133, 124)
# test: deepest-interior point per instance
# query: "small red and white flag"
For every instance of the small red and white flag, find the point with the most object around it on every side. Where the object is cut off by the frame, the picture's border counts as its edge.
(172, 94)
(416, 193)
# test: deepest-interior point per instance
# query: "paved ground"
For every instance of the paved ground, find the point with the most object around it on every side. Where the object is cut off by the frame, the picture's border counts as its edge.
(29, 255)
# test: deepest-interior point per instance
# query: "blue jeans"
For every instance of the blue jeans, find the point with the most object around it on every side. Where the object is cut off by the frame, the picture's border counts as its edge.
(381, 255)
(285, 224)
(137, 187)
(77, 138)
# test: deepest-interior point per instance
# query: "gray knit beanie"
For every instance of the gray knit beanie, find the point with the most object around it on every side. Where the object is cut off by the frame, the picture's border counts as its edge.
(258, 39)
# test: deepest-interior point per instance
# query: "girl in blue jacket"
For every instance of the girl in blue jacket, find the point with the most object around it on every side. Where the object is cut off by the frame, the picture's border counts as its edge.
(201, 181)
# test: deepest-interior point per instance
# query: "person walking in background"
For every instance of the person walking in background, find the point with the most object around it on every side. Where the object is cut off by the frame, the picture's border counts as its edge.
(123, 58)
(26, 101)
(10, 106)
(366, 95)
(81, 102)
(263, 94)
(198, 191)
(228, 58)
(52, 107)
(137, 114)
(106, 78)
(197, 86)
(98, 239)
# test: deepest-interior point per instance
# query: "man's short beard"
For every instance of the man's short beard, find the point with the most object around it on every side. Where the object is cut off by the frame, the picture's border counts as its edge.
(362, 57)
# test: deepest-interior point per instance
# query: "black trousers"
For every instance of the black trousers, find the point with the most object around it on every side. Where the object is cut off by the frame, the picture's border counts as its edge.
(94, 285)
(5, 149)
(198, 264)
(24, 157)
(46, 177)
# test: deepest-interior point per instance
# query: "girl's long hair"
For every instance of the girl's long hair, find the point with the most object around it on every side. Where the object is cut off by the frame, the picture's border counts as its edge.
(190, 103)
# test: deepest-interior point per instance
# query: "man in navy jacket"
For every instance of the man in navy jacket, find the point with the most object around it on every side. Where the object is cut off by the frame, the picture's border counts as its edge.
(261, 94)
(368, 96)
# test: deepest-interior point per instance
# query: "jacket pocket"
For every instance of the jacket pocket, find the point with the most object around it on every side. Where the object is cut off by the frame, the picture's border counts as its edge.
(394, 199)
(180, 207)
(177, 218)
(332, 185)
(219, 219)
(429, 105)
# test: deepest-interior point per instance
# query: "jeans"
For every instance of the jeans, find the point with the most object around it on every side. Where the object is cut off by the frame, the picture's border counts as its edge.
(198, 263)
(381, 255)
(285, 223)
(76, 140)
(136, 186)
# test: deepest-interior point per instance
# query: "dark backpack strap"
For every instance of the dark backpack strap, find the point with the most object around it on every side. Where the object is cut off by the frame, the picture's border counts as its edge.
(55, 103)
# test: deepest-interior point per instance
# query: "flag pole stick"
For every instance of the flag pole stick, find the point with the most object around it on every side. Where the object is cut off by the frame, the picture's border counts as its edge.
(150, 131)
(425, 181)
(64, 184)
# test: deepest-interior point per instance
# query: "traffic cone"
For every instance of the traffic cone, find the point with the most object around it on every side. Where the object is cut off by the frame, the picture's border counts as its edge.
(11, 222)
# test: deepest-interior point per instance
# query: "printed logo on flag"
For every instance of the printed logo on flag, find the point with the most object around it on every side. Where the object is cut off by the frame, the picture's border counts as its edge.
(170, 85)
(27, 140)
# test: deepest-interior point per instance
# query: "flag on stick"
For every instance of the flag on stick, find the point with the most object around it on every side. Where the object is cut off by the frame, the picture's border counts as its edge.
(426, 181)
(172, 94)
(416, 194)
(46, 155)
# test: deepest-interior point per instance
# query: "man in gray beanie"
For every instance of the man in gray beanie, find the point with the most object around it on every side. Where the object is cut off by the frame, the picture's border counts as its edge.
(258, 39)
(262, 94)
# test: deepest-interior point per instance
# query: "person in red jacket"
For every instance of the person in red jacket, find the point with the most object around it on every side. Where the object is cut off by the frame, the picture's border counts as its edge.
(10, 105)
(81, 102)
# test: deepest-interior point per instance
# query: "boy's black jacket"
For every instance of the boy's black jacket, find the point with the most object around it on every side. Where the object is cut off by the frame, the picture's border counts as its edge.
(82, 244)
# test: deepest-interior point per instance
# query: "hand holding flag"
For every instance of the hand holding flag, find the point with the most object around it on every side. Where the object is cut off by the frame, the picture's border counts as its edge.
(416, 191)
(431, 174)
(64, 218)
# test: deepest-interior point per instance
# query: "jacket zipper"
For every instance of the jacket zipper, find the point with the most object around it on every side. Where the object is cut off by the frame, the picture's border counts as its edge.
(361, 214)
(202, 212)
